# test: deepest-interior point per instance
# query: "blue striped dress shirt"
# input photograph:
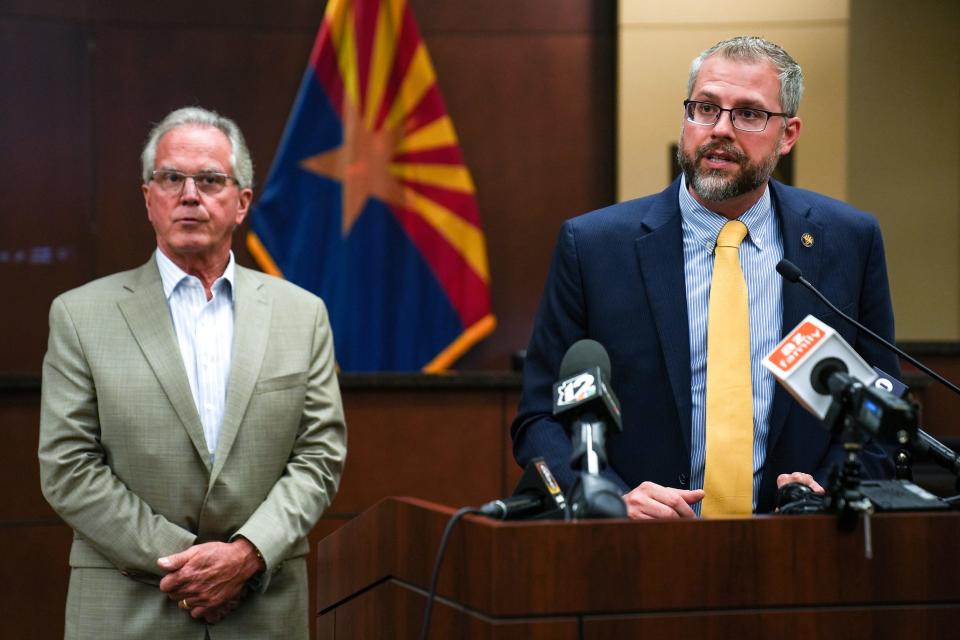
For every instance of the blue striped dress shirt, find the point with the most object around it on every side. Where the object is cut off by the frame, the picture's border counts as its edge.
(759, 254)
(205, 335)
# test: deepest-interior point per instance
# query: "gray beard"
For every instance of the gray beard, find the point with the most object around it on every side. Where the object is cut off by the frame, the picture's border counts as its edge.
(713, 185)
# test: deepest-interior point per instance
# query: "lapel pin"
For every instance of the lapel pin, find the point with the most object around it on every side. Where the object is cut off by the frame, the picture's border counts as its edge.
(807, 240)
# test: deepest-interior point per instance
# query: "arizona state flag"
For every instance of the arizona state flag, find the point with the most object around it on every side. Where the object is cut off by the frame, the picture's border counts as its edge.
(368, 203)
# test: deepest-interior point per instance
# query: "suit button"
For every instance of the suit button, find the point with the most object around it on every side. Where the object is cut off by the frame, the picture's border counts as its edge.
(125, 573)
(683, 479)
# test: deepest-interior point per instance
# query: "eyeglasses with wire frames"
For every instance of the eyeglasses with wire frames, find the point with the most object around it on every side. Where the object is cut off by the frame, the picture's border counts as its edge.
(743, 118)
(207, 182)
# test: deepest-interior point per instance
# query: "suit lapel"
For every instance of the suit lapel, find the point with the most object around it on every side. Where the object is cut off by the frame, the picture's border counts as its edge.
(796, 220)
(660, 251)
(250, 334)
(148, 316)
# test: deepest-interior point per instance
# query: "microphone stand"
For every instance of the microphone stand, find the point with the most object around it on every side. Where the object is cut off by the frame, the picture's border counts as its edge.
(592, 495)
(845, 495)
(589, 446)
(926, 443)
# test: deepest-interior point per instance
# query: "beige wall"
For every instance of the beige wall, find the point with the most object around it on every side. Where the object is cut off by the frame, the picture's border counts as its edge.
(658, 40)
(868, 65)
(904, 152)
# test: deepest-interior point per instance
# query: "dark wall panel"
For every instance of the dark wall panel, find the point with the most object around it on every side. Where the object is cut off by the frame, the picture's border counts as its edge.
(35, 576)
(534, 116)
(47, 241)
(143, 74)
(22, 503)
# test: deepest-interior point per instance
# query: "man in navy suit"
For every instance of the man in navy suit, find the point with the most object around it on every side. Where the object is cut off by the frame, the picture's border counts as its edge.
(636, 278)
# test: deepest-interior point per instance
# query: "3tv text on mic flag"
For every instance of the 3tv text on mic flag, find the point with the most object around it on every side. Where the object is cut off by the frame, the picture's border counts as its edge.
(369, 203)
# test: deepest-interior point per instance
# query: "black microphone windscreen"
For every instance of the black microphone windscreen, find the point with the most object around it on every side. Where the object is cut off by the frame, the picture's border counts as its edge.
(820, 375)
(584, 354)
(789, 271)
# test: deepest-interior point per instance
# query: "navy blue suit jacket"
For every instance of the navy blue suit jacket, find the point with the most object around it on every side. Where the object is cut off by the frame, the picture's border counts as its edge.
(617, 277)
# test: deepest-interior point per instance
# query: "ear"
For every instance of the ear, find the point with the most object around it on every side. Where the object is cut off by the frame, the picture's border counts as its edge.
(791, 134)
(246, 197)
(146, 198)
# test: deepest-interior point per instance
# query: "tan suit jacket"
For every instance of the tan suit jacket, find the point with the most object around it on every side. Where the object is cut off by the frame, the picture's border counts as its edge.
(124, 462)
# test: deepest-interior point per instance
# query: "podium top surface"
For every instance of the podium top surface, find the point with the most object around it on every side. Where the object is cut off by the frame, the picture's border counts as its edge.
(554, 568)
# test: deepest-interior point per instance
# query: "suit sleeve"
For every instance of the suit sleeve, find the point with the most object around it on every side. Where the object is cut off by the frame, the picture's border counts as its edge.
(876, 310)
(312, 475)
(561, 320)
(74, 473)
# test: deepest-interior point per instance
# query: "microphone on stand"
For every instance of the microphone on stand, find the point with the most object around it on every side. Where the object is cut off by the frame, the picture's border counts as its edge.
(832, 381)
(792, 273)
(537, 496)
(923, 441)
(586, 405)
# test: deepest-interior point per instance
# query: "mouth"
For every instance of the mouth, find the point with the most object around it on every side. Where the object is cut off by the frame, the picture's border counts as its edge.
(719, 157)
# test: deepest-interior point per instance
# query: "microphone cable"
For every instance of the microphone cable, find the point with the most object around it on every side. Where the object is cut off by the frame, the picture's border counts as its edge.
(444, 539)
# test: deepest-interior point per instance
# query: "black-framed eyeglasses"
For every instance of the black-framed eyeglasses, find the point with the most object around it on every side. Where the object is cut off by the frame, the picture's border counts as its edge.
(742, 118)
(208, 182)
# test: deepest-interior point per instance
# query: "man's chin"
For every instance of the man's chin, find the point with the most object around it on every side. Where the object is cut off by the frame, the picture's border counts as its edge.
(711, 188)
(189, 246)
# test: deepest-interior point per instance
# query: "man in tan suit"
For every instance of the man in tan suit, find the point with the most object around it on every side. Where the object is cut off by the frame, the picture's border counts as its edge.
(191, 427)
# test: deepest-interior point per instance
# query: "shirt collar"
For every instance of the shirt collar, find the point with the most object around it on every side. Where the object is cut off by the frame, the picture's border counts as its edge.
(171, 275)
(705, 224)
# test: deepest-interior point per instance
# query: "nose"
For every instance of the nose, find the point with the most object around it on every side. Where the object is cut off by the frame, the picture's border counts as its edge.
(189, 194)
(724, 127)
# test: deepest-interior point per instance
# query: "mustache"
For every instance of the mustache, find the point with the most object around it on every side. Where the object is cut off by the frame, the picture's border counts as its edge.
(727, 149)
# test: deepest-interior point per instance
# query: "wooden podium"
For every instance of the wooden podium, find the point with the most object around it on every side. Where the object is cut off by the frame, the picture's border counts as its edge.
(768, 576)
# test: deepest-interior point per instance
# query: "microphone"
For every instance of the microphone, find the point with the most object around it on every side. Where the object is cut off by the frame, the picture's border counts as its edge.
(804, 360)
(583, 401)
(879, 412)
(583, 388)
(827, 377)
(815, 365)
(924, 442)
(887, 382)
(792, 273)
(537, 496)
(938, 452)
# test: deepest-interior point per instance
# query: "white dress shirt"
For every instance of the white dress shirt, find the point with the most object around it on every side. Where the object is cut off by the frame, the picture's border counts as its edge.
(205, 335)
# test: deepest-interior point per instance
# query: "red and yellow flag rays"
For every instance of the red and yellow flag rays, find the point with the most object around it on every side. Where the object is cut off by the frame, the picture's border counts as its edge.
(399, 147)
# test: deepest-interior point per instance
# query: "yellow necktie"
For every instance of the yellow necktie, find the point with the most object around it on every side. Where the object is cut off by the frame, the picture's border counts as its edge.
(728, 481)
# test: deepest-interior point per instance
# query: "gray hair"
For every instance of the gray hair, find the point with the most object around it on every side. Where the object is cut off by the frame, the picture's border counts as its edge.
(239, 154)
(755, 49)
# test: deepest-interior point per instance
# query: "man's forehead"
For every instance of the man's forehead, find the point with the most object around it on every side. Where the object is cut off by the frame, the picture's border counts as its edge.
(198, 134)
(719, 73)
(195, 140)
